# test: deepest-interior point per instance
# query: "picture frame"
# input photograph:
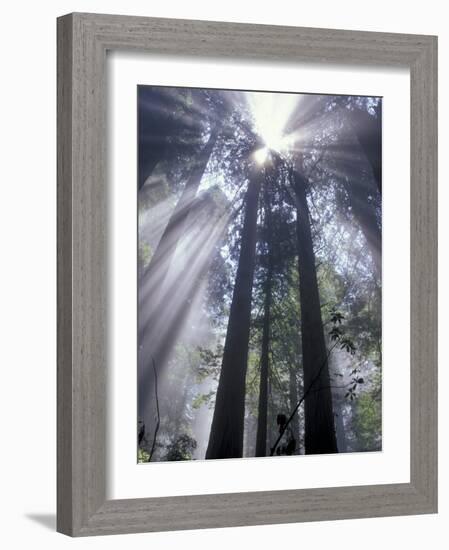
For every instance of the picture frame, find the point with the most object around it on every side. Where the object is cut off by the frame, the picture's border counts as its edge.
(83, 40)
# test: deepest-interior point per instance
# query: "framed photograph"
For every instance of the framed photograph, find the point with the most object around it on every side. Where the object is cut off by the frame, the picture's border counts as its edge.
(247, 281)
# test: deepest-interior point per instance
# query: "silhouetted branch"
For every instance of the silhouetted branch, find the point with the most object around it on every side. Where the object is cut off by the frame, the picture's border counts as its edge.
(306, 393)
(331, 387)
(158, 423)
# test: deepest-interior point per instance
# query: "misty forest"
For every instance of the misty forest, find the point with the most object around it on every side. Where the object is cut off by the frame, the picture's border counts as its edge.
(259, 274)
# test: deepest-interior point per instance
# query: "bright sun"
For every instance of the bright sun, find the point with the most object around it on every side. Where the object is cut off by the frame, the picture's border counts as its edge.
(261, 155)
(271, 112)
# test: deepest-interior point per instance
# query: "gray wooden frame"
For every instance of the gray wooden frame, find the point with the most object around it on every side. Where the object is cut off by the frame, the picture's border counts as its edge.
(83, 40)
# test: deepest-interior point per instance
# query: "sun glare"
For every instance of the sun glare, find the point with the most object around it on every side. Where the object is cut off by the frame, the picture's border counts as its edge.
(261, 155)
(271, 113)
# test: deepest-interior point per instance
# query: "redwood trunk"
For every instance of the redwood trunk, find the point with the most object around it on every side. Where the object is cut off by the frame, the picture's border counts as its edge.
(261, 437)
(319, 421)
(226, 436)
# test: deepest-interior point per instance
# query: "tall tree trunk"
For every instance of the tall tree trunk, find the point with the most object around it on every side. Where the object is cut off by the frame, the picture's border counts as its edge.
(154, 289)
(261, 436)
(319, 419)
(226, 435)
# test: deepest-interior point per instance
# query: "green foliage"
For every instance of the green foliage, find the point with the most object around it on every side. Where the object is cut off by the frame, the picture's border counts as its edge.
(181, 449)
(207, 368)
(347, 345)
(367, 422)
(142, 455)
(351, 393)
(210, 362)
(154, 192)
(337, 333)
(336, 317)
(204, 399)
(145, 253)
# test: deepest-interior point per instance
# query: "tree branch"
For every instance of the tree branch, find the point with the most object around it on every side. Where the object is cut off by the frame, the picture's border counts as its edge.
(158, 423)
(306, 393)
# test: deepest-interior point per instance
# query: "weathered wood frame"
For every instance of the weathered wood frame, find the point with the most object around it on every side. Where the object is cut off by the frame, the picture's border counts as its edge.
(83, 40)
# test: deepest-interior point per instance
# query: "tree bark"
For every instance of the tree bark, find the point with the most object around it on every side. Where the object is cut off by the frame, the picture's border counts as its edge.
(226, 435)
(261, 435)
(319, 420)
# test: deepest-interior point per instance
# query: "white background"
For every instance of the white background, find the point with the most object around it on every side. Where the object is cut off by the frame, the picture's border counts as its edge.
(130, 480)
(27, 300)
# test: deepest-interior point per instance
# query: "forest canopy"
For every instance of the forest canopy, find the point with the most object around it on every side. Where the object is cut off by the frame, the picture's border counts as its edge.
(259, 274)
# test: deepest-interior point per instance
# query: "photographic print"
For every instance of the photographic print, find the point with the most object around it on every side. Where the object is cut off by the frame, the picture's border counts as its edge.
(259, 274)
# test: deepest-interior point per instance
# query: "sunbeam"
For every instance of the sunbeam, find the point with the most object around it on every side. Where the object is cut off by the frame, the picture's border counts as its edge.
(271, 114)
